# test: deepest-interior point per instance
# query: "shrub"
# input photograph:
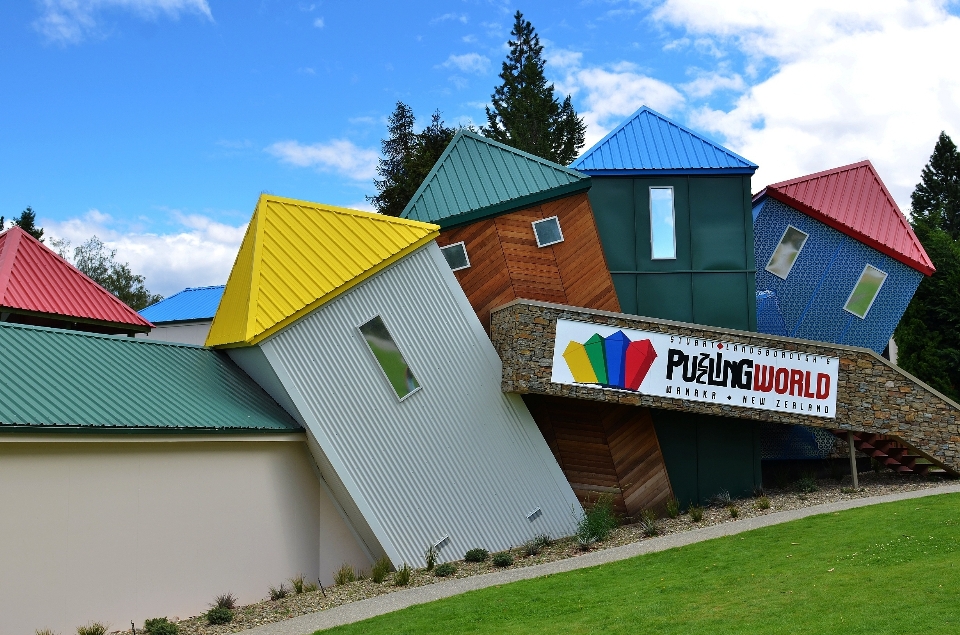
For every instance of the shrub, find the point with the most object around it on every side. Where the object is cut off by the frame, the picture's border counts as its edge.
(673, 508)
(444, 570)
(649, 523)
(402, 576)
(476, 555)
(93, 628)
(584, 541)
(696, 513)
(502, 559)
(160, 626)
(598, 520)
(806, 485)
(544, 540)
(380, 569)
(762, 503)
(430, 555)
(734, 512)
(280, 592)
(344, 575)
(225, 601)
(722, 499)
(219, 615)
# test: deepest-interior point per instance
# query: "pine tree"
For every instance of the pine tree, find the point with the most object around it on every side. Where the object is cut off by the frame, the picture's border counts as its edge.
(928, 336)
(27, 221)
(524, 112)
(407, 158)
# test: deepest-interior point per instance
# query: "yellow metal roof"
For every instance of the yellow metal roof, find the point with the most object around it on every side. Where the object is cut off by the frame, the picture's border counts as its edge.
(296, 256)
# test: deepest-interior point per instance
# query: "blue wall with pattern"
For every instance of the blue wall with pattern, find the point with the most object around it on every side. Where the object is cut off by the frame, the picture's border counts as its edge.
(812, 297)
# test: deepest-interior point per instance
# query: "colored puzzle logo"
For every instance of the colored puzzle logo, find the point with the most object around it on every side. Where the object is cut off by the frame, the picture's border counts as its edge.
(612, 361)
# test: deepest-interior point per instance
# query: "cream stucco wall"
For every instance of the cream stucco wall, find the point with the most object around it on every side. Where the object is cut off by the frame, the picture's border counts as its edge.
(185, 333)
(119, 528)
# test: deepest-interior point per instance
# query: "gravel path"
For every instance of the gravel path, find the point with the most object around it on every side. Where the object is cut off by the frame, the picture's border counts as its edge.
(716, 523)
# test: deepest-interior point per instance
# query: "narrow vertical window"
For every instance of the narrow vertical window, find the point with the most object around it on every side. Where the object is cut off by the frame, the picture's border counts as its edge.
(865, 291)
(456, 255)
(547, 231)
(781, 262)
(391, 361)
(663, 235)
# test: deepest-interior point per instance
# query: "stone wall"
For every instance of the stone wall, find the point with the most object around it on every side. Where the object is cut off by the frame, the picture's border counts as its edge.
(873, 395)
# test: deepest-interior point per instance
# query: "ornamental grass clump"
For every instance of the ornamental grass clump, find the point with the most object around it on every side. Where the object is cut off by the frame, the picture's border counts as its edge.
(649, 523)
(673, 508)
(722, 499)
(221, 611)
(544, 540)
(431, 555)
(93, 628)
(696, 513)
(344, 575)
(160, 626)
(476, 555)
(733, 511)
(502, 559)
(531, 548)
(278, 593)
(806, 485)
(597, 522)
(381, 568)
(445, 570)
(761, 503)
(402, 576)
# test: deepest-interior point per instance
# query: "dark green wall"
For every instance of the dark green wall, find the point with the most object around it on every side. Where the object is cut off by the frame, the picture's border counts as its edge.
(707, 454)
(712, 280)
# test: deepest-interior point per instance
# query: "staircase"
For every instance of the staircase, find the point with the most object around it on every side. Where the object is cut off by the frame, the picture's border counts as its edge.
(894, 454)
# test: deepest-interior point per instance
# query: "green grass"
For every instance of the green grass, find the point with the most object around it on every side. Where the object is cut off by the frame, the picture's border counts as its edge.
(892, 568)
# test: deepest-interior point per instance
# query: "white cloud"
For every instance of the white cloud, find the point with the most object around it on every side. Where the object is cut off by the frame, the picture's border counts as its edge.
(199, 252)
(706, 84)
(339, 155)
(468, 63)
(447, 17)
(850, 79)
(318, 23)
(69, 21)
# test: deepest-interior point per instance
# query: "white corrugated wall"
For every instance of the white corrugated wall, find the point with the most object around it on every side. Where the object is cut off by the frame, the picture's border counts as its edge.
(458, 458)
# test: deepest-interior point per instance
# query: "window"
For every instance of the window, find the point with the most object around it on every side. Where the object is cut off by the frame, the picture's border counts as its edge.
(663, 235)
(781, 262)
(865, 291)
(391, 361)
(548, 231)
(456, 255)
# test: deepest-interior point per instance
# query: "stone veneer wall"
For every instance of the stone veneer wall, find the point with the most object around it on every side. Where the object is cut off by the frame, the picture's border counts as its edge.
(873, 395)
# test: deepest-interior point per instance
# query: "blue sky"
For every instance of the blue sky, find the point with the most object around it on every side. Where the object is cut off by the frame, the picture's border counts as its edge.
(156, 123)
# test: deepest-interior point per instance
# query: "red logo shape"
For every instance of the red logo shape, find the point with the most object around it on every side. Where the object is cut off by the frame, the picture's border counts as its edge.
(639, 359)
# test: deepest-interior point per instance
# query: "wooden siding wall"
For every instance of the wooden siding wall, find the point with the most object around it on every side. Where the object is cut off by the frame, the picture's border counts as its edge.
(605, 448)
(506, 263)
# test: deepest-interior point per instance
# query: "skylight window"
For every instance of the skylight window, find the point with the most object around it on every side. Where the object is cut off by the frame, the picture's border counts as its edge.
(787, 251)
(456, 255)
(663, 235)
(388, 355)
(548, 231)
(865, 291)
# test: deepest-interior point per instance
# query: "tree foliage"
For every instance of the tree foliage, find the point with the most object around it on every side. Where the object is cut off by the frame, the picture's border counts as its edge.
(928, 336)
(407, 158)
(99, 263)
(27, 221)
(524, 112)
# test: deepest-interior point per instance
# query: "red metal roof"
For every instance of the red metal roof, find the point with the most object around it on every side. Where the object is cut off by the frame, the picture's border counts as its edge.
(34, 278)
(852, 199)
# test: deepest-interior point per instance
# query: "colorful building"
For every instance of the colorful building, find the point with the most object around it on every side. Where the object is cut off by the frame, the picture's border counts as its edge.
(836, 257)
(185, 316)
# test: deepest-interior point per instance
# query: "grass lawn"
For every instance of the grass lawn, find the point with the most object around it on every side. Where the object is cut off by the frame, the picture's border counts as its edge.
(892, 568)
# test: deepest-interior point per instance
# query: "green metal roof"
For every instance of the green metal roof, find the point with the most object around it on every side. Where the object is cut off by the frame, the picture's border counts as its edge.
(67, 380)
(476, 177)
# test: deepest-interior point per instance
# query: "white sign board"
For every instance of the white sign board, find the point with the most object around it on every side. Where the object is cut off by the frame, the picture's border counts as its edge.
(694, 369)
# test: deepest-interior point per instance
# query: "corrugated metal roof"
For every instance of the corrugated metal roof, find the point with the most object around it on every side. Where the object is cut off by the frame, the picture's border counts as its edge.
(54, 378)
(297, 255)
(34, 278)
(476, 177)
(852, 199)
(193, 303)
(649, 143)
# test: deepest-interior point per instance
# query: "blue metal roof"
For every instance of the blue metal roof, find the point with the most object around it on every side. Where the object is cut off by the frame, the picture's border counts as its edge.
(193, 303)
(649, 143)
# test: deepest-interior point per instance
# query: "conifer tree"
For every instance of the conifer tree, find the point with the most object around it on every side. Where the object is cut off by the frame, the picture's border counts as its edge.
(524, 112)
(27, 221)
(928, 336)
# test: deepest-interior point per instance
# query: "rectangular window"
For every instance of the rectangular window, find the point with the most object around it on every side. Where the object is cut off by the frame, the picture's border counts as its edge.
(547, 231)
(456, 255)
(865, 291)
(781, 262)
(391, 361)
(663, 234)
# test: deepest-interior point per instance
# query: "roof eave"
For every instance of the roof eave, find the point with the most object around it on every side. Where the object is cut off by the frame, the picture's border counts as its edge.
(671, 172)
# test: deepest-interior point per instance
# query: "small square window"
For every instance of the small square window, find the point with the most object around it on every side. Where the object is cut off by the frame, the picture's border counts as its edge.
(787, 251)
(663, 234)
(456, 255)
(391, 360)
(548, 231)
(865, 291)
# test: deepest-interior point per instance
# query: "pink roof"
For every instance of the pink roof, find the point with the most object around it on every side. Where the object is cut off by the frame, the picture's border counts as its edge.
(852, 199)
(34, 278)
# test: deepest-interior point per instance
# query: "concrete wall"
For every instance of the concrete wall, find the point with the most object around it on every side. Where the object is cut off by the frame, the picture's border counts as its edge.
(119, 528)
(184, 333)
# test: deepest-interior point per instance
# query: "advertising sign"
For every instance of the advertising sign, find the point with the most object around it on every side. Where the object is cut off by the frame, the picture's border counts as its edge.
(695, 369)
